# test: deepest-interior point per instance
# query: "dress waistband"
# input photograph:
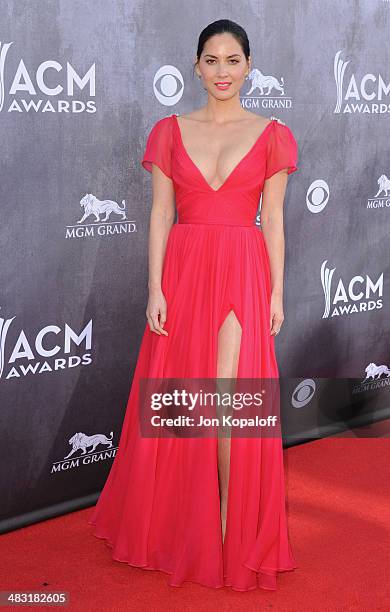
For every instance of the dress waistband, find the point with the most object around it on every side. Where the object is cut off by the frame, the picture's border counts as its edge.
(252, 224)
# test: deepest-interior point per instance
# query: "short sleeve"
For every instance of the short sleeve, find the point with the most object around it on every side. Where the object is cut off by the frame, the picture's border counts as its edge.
(282, 151)
(158, 148)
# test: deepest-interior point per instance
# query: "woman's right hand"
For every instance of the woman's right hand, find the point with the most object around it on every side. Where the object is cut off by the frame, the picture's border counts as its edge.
(157, 305)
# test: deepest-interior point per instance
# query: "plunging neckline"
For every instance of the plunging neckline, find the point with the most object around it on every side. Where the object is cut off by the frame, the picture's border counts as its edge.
(235, 167)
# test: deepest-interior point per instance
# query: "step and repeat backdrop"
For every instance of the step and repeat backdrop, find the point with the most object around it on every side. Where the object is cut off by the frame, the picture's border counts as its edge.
(81, 85)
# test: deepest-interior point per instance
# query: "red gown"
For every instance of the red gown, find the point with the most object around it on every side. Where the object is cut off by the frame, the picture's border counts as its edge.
(160, 506)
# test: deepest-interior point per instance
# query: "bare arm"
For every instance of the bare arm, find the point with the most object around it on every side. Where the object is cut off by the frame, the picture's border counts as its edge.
(273, 232)
(161, 220)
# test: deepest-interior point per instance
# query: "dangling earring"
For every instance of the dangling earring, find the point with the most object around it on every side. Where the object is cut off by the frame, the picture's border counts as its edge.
(200, 76)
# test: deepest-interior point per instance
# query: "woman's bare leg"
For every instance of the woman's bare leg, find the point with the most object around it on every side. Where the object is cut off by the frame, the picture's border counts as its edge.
(229, 341)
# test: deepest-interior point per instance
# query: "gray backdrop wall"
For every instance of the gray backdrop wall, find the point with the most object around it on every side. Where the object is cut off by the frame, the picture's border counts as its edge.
(81, 84)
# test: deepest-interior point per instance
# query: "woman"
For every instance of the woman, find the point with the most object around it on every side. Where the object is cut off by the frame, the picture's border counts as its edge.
(205, 509)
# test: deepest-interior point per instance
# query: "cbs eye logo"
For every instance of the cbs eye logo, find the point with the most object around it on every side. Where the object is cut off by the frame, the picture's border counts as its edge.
(303, 393)
(317, 196)
(168, 85)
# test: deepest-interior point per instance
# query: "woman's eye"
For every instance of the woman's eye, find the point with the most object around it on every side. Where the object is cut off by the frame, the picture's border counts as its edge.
(235, 61)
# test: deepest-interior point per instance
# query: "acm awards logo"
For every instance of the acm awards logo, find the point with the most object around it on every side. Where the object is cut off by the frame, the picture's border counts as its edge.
(101, 218)
(29, 83)
(359, 94)
(83, 451)
(360, 294)
(49, 350)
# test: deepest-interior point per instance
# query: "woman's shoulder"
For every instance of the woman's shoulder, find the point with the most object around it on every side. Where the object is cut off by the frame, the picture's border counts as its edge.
(196, 115)
(282, 136)
(280, 125)
(164, 121)
(279, 130)
(162, 126)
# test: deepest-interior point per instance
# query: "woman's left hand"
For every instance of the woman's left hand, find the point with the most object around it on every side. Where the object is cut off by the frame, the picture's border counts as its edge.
(277, 316)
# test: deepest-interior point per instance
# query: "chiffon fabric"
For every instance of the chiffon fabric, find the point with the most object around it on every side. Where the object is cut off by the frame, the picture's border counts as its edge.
(160, 506)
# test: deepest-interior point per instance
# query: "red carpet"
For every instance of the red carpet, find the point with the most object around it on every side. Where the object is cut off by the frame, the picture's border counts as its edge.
(338, 506)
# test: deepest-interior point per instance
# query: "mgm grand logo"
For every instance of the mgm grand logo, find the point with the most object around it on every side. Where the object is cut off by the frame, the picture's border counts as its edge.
(377, 377)
(86, 450)
(101, 218)
(382, 197)
(266, 91)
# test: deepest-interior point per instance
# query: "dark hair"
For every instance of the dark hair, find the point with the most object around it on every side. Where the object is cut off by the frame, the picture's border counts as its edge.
(220, 27)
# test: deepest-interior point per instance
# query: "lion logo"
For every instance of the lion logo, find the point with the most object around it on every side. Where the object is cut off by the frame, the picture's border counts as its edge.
(93, 206)
(80, 441)
(373, 371)
(384, 185)
(262, 81)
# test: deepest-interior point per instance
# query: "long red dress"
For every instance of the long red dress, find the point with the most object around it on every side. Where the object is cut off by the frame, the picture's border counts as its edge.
(160, 506)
